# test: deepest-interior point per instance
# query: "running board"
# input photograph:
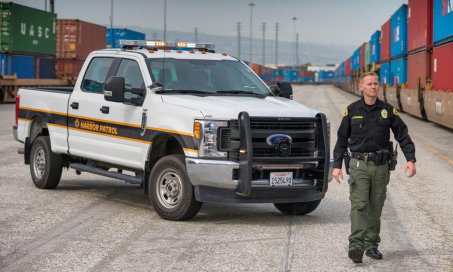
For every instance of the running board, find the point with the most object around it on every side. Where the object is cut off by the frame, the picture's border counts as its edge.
(91, 169)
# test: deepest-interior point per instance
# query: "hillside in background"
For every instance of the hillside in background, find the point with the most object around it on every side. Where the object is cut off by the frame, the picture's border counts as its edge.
(314, 53)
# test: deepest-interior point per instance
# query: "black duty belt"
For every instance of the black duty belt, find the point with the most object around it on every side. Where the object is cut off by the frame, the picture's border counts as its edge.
(378, 159)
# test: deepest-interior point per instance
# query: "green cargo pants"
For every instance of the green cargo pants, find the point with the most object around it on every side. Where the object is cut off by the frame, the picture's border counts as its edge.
(367, 195)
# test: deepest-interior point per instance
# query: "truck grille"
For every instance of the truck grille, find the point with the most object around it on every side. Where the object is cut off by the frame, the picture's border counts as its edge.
(303, 131)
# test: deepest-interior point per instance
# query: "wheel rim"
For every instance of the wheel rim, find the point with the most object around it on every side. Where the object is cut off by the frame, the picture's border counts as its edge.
(39, 162)
(169, 188)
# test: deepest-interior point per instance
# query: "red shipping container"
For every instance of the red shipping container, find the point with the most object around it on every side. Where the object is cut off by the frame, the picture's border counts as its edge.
(385, 41)
(418, 66)
(76, 39)
(419, 25)
(347, 67)
(307, 74)
(442, 67)
(279, 78)
(362, 55)
(68, 67)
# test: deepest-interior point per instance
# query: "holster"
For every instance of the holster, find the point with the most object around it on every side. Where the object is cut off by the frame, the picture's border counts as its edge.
(347, 158)
(393, 158)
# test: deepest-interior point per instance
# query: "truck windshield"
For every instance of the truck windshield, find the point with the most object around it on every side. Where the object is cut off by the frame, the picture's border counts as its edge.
(211, 77)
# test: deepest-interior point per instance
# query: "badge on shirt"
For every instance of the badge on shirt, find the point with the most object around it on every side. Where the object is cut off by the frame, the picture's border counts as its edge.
(384, 113)
(345, 113)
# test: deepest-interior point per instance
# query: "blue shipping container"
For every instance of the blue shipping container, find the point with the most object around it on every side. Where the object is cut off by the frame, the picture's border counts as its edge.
(306, 79)
(291, 73)
(375, 47)
(385, 73)
(278, 73)
(122, 34)
(398, 43)
(342, 69)
(398, 71)
(46, 67)
(23, 66)
(442, 21)
(355, 60)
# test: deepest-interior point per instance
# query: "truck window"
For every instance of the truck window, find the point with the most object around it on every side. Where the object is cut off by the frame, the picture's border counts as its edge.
(95, 76)
(133, 79)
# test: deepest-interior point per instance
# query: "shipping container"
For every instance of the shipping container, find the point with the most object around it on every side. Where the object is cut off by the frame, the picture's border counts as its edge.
(68, 67)
(419, 25)
(442, 22)
(291, 73)
(442, 67)
(46, 67)
(385, 73)
(306, 79)
(367, 56)
(307, 74)
(362, 56)
(342, 69)
(355, 59)
(347, 67)
(398, 32)
(418, 69)
(258, 69)
(398, 71)
(278, 72)
(116, 34)
(25, 30)
(385, 41)
(76, 39)
(21, 65)
(375, 48)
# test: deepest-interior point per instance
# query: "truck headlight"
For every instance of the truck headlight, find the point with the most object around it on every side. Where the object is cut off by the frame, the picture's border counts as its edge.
(206, 134)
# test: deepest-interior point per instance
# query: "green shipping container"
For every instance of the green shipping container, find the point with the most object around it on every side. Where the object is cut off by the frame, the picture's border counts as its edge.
(25, 30)
(367, 54)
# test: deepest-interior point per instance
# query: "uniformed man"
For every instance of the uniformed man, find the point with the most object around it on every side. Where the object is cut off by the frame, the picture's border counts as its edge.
(365, 129)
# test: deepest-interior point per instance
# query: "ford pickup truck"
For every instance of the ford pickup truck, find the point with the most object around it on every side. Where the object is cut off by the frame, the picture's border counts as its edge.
(188, 125)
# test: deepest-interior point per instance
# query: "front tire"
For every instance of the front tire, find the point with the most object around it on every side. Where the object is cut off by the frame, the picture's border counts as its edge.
(45, 166)
(297, 208)
(170, 189)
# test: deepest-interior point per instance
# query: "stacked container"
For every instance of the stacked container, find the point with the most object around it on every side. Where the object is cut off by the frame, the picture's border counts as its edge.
(438, 102)
(27, 41)
(114, 35)
(75, 40)
(419, 45)
(375, 50)
(367, 57)
(306, 76)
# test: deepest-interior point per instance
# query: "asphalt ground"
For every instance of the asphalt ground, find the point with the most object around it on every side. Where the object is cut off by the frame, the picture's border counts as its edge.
(92, 223)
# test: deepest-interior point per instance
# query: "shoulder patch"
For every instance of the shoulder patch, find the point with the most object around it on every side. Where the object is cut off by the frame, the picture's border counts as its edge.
(395, 112)
(384, 113)
(345, 113)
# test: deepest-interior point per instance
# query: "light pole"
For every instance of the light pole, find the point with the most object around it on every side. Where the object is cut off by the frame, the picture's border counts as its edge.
(239, 39)
(276, 44)
(251, 5)
(196, 34)
(264, 44)
(294, 39)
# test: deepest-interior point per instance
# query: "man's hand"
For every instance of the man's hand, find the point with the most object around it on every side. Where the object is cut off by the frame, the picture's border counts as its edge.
(338, 173)
(411, 166)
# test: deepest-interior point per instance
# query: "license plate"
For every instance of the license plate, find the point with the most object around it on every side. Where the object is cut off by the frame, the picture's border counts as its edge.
(281, 178)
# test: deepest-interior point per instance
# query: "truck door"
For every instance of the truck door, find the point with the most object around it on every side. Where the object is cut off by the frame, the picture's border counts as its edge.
(103, 130)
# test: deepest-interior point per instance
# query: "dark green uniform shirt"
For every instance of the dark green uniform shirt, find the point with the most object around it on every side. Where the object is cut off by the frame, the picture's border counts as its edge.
(366, 128)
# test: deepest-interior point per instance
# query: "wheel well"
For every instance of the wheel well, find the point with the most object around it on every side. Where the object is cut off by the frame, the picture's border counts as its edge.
(38, 128)
(162, 145)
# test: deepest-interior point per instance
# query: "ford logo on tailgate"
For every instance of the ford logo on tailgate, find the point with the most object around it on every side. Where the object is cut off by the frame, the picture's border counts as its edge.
(281, 143)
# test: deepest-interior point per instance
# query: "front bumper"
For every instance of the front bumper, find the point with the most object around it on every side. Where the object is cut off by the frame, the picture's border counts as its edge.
(214, 181)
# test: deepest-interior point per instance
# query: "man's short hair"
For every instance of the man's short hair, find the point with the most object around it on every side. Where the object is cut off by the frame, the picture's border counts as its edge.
(364, 75)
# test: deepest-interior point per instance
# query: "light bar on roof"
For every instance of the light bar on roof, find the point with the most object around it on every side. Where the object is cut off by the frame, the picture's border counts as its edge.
(162, 44)
(132, 42)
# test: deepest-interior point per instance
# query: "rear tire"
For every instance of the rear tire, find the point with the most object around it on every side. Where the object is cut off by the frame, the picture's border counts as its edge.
(170, 189)
(45, 166)
(297, 208)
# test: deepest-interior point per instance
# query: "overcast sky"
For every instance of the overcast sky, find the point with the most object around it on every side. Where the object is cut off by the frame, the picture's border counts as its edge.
(345, 22)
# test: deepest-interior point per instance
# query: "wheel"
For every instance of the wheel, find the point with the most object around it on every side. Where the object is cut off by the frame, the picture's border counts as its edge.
(45, 166)
(297, 208)
(170, 189)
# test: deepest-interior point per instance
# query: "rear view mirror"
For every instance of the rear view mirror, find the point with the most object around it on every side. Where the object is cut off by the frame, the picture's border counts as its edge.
(114, 89)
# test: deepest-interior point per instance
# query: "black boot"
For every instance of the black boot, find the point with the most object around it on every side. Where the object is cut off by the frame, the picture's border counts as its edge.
(374, 253)
(355, 253)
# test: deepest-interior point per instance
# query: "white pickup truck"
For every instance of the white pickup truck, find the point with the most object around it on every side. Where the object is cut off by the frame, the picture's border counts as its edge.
(189, 126)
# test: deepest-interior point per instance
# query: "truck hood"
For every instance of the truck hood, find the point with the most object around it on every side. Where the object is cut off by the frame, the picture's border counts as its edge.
(229, 107)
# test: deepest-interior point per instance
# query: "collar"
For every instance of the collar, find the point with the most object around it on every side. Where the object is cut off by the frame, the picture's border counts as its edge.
(378, 104)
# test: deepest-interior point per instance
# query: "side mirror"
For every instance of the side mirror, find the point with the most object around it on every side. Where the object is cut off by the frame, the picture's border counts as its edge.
(275, 89)
(286, 90)
(114, 89)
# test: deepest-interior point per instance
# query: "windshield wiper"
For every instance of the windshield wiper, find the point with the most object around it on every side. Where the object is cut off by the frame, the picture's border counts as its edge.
(187, 91)
(238, 92)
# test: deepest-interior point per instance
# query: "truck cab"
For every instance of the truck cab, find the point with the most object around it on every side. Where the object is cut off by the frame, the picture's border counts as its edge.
(187, 124)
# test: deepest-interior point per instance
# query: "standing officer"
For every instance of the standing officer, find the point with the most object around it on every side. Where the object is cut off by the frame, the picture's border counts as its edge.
(365, 129)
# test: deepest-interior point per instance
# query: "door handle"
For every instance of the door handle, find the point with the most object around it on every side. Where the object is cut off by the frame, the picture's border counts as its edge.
(75, 105)
(104, 109)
